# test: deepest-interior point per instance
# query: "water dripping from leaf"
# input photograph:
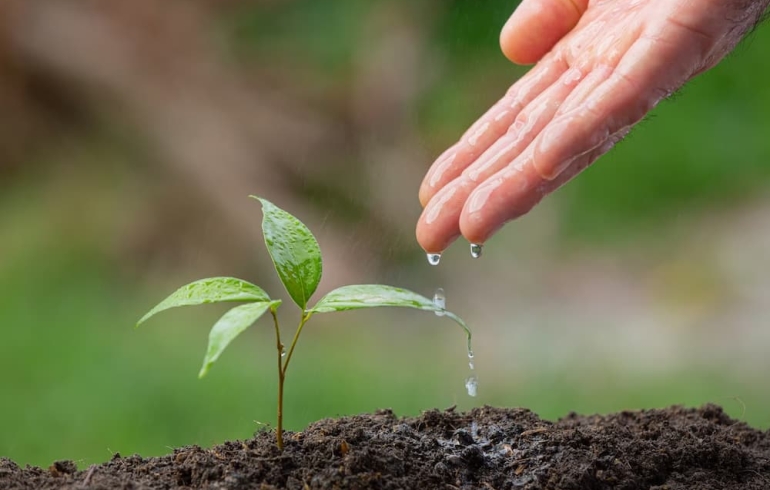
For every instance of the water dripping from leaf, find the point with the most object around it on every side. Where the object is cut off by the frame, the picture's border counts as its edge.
(472, 385)
(472, 382)
(439, 300)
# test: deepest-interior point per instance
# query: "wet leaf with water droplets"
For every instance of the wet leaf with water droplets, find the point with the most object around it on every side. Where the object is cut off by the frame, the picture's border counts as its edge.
(374, 295)
(294, 250)
(211, 290)
(230, 326)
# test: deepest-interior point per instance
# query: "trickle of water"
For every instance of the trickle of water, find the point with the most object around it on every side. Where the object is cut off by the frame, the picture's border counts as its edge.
(472, 384)
(434, 259)
(439, 300)
(475, 250)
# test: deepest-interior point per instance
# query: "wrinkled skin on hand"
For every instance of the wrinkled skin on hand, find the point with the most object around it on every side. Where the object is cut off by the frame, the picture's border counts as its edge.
(601, 67)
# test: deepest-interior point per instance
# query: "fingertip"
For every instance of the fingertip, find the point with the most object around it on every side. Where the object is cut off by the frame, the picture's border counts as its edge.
(518, 50)
(423, 195)
(431, 241)
(475, 222)
(476, 234)
(438, 225)
(536, 26)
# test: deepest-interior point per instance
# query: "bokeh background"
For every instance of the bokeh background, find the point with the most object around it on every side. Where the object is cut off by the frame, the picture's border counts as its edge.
(131, 133)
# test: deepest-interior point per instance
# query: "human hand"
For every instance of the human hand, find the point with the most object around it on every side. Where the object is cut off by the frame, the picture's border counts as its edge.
(601, 67)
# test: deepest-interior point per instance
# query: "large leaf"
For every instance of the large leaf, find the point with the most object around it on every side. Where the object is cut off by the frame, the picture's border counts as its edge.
(374, 295)
(294, 250)
(229, 326)
(211, 290)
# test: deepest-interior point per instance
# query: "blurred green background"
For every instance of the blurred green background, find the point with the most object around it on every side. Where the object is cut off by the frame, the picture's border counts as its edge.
(132, 132)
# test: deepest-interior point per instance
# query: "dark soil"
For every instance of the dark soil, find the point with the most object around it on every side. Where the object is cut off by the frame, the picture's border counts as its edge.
(488, 448)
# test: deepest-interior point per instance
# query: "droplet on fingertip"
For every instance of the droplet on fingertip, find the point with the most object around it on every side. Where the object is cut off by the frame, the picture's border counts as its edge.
(434, 259)
(476, 250)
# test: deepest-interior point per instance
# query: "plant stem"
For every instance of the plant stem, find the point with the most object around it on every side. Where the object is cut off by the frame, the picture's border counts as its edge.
(282, 370)
(294, 341)
(279, 430)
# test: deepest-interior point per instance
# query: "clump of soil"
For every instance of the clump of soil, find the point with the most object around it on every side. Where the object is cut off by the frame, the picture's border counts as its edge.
(487, 448)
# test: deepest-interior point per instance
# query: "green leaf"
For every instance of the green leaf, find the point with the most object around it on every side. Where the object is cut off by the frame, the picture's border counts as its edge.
(294, 250)
(375, 295)
(212, 290)
(229, 326)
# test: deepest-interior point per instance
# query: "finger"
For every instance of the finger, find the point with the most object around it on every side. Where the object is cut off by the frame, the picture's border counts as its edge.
(527, 125)
(439, 224)
(493, 124)
(515, 190)
(536, 26)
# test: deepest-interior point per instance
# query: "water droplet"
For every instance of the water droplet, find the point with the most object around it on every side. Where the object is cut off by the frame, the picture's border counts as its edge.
(439, 300)
(475, 250)
(472, 385)
(434, 259)
(283, 352)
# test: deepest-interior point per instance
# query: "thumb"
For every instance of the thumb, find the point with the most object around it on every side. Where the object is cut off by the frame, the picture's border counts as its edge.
(536, 26)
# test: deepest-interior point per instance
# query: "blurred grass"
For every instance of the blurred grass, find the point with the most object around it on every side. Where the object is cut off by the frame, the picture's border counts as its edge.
(79, 382)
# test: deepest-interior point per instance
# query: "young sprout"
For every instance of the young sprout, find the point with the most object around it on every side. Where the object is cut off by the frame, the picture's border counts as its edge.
(297, 259)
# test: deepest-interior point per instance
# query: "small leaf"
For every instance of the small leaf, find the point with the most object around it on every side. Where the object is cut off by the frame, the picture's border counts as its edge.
(229, 326)
(294, 250)
(374, 295)
(212, 290)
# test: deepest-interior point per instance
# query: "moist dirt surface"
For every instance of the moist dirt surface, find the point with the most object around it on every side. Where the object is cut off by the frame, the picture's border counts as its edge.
(487, 448)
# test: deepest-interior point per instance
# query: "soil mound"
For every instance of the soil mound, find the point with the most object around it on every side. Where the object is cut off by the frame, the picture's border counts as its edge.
(487, 448)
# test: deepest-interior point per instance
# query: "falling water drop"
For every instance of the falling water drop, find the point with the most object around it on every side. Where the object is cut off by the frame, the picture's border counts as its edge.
(439, 300)
(475, 250)
(434, 259)
(472, 385)
(472, 382)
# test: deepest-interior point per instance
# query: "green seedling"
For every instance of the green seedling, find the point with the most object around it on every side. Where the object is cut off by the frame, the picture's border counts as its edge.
(297, 259)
